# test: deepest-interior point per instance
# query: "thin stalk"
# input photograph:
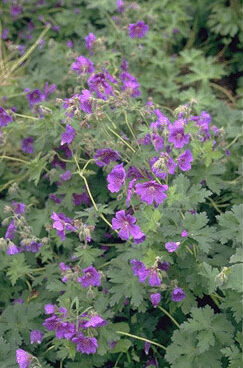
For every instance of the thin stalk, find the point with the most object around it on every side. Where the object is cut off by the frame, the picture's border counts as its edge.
(26, 116)
(215, 300)
(117, 361)
(223, 90)
(169, 315)
(234, 140)
(130, 128)
(14, 159)
(121, 139)
(142, 339)
(189, 250)
(214, 205)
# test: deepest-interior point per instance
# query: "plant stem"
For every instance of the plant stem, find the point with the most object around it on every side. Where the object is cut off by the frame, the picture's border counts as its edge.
(121, 139)
(169, 315)
(141, 338)
(14, 159)
(26, 116)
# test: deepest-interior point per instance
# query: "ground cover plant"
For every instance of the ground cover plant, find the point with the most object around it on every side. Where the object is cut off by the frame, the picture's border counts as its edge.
(120, 162)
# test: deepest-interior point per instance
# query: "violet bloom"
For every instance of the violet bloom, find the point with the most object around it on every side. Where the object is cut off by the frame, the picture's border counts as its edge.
(49, 89)
(69, 44)
(35, 96)
(120, 6)
(56, 199)
(11, 230)
(130, 84)
(116, 178)
(89, 42)
(12, 249)
(21, 49)
(158, 142)
(138, 30)
(178, 295)
(172, 246)
(83, 65)
(151, 192)
(65, 330)
(163, 266)
(23, 358)
(154, 279)
(36, 336)
(98, 83)
(184, 234)
(82, 198)
(86, 345)
(177, 135)
(15, 10)
(91, 277)
(68, 136)
(139, 269)
(184, 160)
(163, 165)
(66, 176)
(27, 145)
(33, 247)
(86, 101)
(51, 323)
(126, 224)
(95, 321)
(5, 33)
(130, 191)
(61, 224)
(104, 156)
(146, 347)
(18, 208)
(155, 299)
(50, 308)
(161, 121)
(5, 118)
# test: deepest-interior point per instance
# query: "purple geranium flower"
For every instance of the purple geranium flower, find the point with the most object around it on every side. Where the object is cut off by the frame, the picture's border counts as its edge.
(83, 65)
(130, 84)
(126, 224)
(49, 89)
(116, 178)
(51, 323)
(161, 121)
(91, 277)
(155, 299)
(15, 10)
(86, 101)
(11, 230)
(138, 30)
(12, 249)
(177, 135)
(104, 156)
(33, 247)
(162, 165)
(69, 44)
(61, 224)
(81, 198)
(120, 6)
(69, 135)
(36, 336)
(89, 41)
(86, 345)
(95, 321)
(5, 118)
(184, 234)
(50, 308)
(163, 266)
(18, 208)
(172, 246)
(27, 145)
(5, 33)
(184, 160)
(98, 83)
(158, 142)
(154, 279)
(130, 191)
(178, 295)
(23, 358)
(151, 191)
(66, 176)
(139, 269)
(35, 96)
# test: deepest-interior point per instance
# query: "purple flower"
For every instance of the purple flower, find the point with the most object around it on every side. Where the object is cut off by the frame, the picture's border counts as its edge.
(68, 136)
(130, 84)
(5, 118)
(69, 44)
(184, 234)
(86, 101)
(172, 246)
(163, 266)
(41, 44)
(33, 247)
(83, 65)
(51, 323)
(104, 156)
(86, 345)
(65, 330)
(116, 178)
(61, 224)
(178, 295)
(19, 207)
(21, 49)
(154, 279)
(11, 230)
(177, 135)
(184, 160)
(55, 198)
(95, 321)
(27, 145)
(36, 336)
(146, 347)
(18, 301)
(138, 30)
(91, 277)
(12, 249)
(49, 89)
(66, 176)
(151, 191)
(161, 121)
(139, 269)
(79, 199)
(120, 6)
(158, 142)
(163, 165)
(50, 308)
(35, 96)
(98, 83)
(5, 33)
(129, 191)
(23, 358)
(89, 41)
(15, 10)
(126, 224)
(155, 299)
